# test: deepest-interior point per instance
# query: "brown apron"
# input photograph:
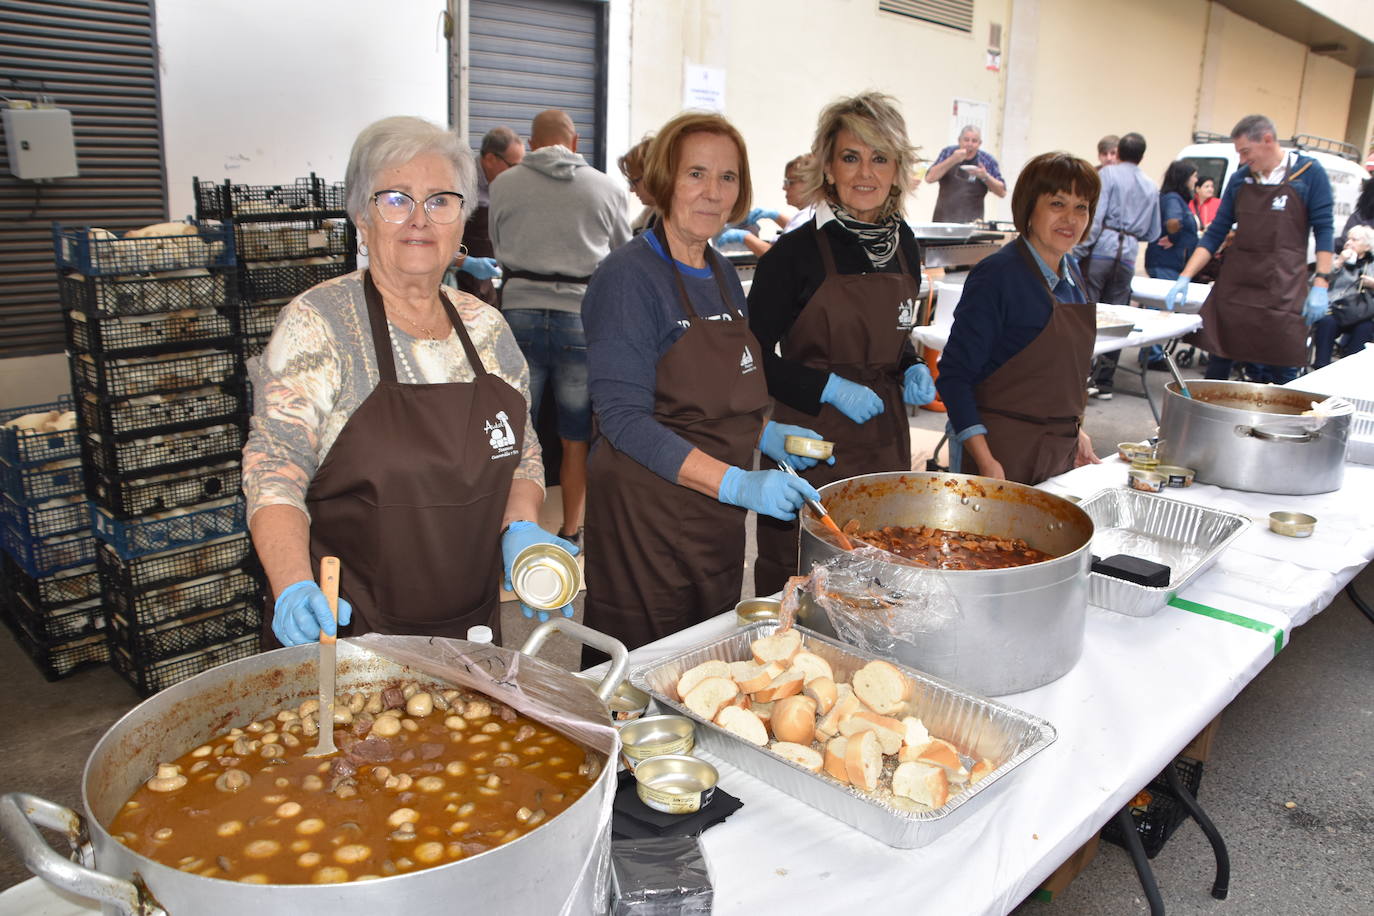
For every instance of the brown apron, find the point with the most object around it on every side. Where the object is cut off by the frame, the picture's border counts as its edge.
(959, 200)
(1033, 403)
(411, 496)
(1254, 312)
(855, 326)
(662, 557)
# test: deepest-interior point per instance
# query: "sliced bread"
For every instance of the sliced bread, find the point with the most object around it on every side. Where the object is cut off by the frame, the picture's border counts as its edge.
(980, 769)
(794, 719)
(863, 760)
(823, 691)
(706, 698)
(938, 752)
(787, 684)
(763, 710)
(882, 687)
(698, 673)
(743, 723)
(844, 707)
(780, 647)
(916, 734)
(752, 676)
(834, 759)
(921, 782)
(888, 730)
(812, 666)
(801, 755)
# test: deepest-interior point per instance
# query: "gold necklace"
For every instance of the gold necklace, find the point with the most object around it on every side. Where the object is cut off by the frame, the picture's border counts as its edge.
(429, 335)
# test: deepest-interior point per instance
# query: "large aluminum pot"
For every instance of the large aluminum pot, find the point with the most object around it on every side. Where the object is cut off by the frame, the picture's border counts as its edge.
(1252, 437)
(558, 867)
(1016, 628)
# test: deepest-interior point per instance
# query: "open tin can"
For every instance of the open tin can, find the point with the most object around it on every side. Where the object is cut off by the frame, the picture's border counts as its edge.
(545, 577)
(676, 784)
(757, 610)
(656, 736)
(626, 704)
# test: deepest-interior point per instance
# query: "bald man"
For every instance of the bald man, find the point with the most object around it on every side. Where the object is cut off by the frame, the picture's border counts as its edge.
(553, 219)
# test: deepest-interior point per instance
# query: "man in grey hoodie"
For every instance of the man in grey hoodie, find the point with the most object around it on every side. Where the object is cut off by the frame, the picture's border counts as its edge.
(553, 219)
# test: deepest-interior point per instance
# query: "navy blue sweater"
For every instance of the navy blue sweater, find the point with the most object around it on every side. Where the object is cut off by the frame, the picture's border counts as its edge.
(1313, 186)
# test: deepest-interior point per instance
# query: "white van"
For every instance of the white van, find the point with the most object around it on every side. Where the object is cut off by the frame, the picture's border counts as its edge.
(1215, 158)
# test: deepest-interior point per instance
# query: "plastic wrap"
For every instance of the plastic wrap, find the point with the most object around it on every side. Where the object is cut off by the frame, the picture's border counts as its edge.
(660, 876)
(875, 599)
(541, 691)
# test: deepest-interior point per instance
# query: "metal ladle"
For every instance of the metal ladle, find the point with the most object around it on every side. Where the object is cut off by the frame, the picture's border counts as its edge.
(819, 509)
(1178, 376)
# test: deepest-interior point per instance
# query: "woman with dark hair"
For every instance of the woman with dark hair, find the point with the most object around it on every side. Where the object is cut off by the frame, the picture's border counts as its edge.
(1166, 255)
(1362, 215)
(1204, 202)
(1012, 375)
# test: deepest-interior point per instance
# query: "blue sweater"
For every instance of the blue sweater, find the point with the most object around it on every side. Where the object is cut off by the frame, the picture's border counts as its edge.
(632, 315)
(1003, 308)
(1170, 261)
(1313, 186)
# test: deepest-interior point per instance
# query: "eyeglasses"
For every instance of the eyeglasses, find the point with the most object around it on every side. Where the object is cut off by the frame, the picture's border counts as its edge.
(443, 207)
(788, 182)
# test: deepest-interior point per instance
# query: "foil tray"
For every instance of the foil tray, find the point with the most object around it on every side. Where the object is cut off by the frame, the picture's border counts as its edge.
(1185, 537)
(975, 725)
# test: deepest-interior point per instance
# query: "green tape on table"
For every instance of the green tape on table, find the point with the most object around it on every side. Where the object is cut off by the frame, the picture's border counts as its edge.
(1248, 622)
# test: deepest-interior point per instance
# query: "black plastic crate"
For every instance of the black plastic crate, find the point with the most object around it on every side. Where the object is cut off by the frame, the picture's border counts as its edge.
(130, 378)
(302, 198)
(139, 536)
(55, 590)
(64, 515)
(162, 454)
(21, 446)
(177, 637)
(285, 282)
(259, 320)
(37, 483)
(101, 253)
(147, 335)
(125, 497)
(137, 418)
(60, 625)
(148, 677)
(41, 557)
(253, 346)
(1157, 812)
(172, 601)
(150, 571)
(63, 659)
(108, 297)
(293, 241)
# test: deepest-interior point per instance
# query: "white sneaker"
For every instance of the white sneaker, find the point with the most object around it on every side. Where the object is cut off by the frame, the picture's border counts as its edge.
(1102, 395)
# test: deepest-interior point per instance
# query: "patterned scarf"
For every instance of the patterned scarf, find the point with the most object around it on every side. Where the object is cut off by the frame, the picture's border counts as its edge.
(879, 240)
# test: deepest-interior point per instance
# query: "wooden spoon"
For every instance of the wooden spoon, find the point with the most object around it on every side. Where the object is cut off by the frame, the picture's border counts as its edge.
(329, 584)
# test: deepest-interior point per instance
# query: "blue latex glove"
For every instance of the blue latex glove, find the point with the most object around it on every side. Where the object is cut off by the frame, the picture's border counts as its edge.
(774, 493)
(1177, 294)
(759, 213)
(732, 237)
(773, 443)
(917, 385)
(1316, 306)
(481, 268)
(855, 401)
(302, 611)
(520, 535)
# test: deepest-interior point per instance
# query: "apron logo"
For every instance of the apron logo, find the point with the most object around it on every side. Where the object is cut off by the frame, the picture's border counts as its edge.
(906, 314)
(502, 436)
(1279, 203)
(746, 362)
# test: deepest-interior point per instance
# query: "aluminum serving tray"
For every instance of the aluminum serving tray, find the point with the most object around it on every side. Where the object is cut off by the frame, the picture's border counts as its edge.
(1167, 527)
(976, 725)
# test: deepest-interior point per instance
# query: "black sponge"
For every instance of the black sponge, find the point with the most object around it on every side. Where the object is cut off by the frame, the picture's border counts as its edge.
(1133, 569)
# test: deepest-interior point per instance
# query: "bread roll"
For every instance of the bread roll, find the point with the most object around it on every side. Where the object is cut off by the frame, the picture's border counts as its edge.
(822, 690)
(698, 673)
(863, 760)
(801, 755)
(787, 684)
(763, 710)
(922, 783)
(941, 753)
(709, 696)
(812, 666)
(743, 723)
(780, 647)
(794, 719)
(833, 760)
(915, 734)
(888, 730)
(882, 687)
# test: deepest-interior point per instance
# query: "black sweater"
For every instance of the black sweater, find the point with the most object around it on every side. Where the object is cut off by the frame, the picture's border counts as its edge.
(786, 278)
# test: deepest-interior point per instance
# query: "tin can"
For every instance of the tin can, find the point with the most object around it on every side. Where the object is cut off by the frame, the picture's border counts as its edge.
(676, 784)
(655, 736)
(626, 704)
(1176, 476)
(1145, 463)
(1292, 524)
(1146, 481)
(1129, 451)
(755, 610)
(545, 577)
(807, 447)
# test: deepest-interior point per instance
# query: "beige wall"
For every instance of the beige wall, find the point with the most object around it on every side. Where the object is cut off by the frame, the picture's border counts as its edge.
(26, 380)
(1324, 107)
(1249, 70)
(1359, 125)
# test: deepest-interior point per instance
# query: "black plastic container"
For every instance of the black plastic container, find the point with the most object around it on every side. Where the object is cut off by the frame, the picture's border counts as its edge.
(1157, 820)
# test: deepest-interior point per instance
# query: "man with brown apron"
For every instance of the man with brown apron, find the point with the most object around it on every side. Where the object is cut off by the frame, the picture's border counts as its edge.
(1260, 308)
(665, 557)
(412, 494)
(965, 173)
(855, 326)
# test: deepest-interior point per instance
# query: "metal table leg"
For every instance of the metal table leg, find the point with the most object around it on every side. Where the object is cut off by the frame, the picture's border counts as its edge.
(1126, 825)
(1222, 884)
(1359, 603)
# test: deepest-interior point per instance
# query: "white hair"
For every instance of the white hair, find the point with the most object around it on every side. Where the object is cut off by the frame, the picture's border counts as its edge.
(1364, 235)
(392, 142)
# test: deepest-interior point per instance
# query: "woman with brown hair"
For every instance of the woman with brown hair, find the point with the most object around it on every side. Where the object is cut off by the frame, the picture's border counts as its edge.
(632, 167)
(837, 298)
(677, 385)
(1013, 373)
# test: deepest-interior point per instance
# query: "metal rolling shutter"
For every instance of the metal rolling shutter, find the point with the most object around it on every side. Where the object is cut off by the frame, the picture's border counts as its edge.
(525, 56)
(98, 59)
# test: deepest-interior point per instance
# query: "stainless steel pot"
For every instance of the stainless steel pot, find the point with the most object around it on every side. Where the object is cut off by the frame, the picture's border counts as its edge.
(1017, 628)
(1253, 437)
(559, 867)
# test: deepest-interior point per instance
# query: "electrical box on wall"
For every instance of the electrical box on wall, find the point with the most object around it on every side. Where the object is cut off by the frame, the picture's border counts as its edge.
(40, 142)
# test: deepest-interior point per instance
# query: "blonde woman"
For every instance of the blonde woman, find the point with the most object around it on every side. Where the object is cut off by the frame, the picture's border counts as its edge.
(838, 299)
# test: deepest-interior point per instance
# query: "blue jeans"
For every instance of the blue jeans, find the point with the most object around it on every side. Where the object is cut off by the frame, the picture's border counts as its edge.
(1218, 368)
(554, 344)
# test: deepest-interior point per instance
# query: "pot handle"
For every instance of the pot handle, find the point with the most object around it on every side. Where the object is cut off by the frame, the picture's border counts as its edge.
(1280, 433)
(620, 657)
(22, 814)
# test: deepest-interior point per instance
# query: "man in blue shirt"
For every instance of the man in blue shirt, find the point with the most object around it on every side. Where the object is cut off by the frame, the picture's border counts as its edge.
(965, 173)
(1260, 308)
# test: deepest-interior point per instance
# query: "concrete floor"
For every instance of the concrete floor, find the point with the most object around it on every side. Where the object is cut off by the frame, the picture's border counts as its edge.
(1302, 732)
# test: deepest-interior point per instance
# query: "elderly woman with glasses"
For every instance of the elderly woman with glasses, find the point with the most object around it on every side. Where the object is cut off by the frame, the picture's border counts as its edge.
(391, 421)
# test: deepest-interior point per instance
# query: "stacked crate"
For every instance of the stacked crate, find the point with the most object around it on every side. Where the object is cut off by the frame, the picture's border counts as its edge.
(51, 594)
(155, 344)
(288, 238)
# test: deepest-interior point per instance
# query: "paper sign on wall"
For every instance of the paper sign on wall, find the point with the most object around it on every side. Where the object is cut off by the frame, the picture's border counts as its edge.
(703, 88)
(967, 112)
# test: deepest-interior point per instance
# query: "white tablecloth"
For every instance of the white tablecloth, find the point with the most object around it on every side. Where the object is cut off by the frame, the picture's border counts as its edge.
(1152, 292)
(1351, 377)
(1151, 327)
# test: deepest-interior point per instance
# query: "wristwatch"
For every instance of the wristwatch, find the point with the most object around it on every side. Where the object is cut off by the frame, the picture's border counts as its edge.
(1324, 276)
